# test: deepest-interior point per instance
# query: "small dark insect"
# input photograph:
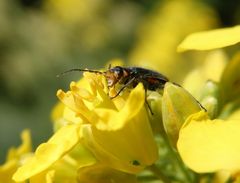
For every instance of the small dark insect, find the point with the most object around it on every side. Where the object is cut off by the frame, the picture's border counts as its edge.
(129, 77)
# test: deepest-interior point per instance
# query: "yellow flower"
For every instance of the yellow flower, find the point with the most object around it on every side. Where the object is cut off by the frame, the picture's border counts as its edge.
(48, 153)
(108, 123)
(52, 157)
(210, 145)
(117, 132)
(15, 157)
(213, 145)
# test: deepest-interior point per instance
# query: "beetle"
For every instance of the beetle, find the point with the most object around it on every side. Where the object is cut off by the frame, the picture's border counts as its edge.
(129, 77)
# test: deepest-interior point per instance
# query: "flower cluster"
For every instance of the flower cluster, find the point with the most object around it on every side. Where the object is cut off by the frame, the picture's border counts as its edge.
(209, 143)
(98, 139)
(96, 133)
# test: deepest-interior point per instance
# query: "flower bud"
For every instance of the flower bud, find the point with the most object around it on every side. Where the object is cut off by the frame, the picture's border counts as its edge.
(210, 98)
(211, 88)
(177, 105)
(211, 105)
(155, 101)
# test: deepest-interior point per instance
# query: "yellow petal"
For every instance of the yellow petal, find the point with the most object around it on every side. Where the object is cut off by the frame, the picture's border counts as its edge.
(115, 120)
(210, 145)
(48, 153)
(71, 116)
(57, 111)
(134, 102)
(41, 177)
(7, 170)
(82, 92)
(66, 170)
(135, 148)
(50, 176)
(108, 140)
(106, 157)
(63, 171)
(98, 173)
(75, 104)
(212, 39)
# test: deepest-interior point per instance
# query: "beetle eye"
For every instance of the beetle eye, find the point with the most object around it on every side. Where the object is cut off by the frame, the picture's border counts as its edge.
(118, 72)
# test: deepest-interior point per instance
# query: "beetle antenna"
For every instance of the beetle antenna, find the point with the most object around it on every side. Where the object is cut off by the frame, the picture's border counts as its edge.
(80, 70)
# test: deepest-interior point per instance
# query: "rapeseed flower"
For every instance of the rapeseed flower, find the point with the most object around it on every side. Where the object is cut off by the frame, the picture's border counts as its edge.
(114, 136)
(212, 145)
(108, 122)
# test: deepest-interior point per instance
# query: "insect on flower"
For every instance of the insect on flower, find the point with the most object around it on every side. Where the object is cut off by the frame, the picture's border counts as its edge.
(129, 77)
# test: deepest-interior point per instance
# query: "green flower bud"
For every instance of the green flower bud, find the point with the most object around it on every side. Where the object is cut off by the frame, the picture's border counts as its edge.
(210, 98)
(155, 101)
(211, 105)
(211, 88)
(177, 105)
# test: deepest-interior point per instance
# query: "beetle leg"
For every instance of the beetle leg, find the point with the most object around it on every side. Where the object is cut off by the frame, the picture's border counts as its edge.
(127, 84)
(145, 84)
(149, 107)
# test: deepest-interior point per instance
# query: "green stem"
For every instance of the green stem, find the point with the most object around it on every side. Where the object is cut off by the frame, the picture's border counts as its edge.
(178, 161)
(154, 169)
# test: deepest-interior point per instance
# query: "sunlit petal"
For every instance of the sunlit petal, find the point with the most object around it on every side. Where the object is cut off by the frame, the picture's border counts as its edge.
(48, 153)
(212, 39)
(210, 145)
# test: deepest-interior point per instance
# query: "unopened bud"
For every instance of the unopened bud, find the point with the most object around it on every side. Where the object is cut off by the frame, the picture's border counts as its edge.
(177, 105)
(211, 105)
(210, 98)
